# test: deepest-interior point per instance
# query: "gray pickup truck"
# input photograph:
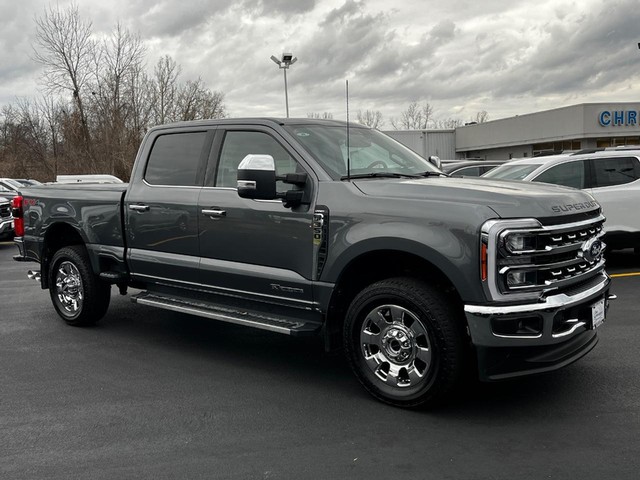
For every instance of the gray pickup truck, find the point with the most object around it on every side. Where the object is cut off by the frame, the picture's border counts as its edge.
(311, 227)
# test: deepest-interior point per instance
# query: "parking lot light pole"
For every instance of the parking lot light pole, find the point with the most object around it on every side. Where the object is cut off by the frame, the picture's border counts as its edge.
(283, 64)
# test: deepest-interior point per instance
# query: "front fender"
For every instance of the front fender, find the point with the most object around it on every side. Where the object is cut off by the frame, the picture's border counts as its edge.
(452, 251)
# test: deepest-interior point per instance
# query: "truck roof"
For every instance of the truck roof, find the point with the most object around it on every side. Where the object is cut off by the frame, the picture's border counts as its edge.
(260, 121)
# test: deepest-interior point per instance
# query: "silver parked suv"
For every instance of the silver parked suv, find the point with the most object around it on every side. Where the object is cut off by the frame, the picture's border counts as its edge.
(612, 176)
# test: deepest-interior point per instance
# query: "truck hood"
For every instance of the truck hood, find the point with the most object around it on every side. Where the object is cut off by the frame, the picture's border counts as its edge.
(509, 199)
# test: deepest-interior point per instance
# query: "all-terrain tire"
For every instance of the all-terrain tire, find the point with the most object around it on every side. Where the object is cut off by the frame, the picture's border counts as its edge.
(79, 296)
(405, 342)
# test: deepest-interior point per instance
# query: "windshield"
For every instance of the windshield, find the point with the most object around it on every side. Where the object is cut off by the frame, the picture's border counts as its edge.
(10, 183)
(370, 152)
(511, 172)
(27, 183)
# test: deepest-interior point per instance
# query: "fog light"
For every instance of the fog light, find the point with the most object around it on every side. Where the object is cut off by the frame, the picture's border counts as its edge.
(521, 279)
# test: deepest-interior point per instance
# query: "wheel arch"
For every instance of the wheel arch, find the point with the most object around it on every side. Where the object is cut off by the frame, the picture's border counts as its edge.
(57, 236)
(377, 264)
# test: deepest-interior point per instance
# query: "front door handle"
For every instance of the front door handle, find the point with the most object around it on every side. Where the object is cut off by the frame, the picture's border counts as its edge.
(214, 212)
(139, 207)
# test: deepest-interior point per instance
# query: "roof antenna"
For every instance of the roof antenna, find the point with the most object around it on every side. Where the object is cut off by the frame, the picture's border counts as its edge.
(348, 149)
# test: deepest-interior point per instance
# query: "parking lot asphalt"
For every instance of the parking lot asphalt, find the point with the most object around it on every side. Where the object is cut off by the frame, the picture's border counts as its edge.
(154, 394)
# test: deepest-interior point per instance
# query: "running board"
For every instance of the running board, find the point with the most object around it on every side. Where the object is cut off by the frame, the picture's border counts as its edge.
(278, 324)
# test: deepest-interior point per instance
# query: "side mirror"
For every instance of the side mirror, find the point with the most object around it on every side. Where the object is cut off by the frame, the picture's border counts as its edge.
(434, 160)
(257, 177)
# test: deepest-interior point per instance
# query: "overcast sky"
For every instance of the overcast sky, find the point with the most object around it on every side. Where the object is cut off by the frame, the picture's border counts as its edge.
(507, 57)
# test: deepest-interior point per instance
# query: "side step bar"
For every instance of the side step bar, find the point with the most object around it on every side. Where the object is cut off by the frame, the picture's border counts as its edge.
(278, 324)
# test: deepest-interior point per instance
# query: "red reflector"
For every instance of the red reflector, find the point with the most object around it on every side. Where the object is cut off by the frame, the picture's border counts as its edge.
(18, 220)
(483, 262)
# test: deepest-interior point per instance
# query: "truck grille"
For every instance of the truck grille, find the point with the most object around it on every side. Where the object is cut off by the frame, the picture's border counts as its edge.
(5, 210)
(528, 259)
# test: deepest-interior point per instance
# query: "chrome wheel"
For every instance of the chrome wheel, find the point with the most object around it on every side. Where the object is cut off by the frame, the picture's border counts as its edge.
(69, 289)
(396, 346)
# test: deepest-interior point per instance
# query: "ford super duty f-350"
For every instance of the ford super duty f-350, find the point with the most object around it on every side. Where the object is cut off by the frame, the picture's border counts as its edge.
(307, 227)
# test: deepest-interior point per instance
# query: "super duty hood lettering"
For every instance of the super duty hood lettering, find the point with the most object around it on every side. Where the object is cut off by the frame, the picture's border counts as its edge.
(574, 207)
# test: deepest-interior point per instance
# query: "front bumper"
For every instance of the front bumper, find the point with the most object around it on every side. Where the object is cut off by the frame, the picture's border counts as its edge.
(6, 227)
(523, 339)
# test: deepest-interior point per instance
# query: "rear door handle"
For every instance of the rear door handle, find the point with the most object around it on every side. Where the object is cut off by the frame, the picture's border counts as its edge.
(214, 212)
(139, 207)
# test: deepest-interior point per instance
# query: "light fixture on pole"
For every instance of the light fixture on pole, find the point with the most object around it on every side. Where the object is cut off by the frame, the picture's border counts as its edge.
(283, 64)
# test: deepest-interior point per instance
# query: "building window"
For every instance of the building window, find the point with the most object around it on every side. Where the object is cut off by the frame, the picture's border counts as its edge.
(551, 148)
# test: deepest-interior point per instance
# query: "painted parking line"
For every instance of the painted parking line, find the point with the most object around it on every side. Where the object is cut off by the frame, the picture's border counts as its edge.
(630, 274)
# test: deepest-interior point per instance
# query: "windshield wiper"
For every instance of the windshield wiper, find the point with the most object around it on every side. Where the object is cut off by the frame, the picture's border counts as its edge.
(380, 175)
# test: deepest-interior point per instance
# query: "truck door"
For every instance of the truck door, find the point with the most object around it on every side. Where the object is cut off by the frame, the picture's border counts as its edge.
(254, 249)
(161, 206)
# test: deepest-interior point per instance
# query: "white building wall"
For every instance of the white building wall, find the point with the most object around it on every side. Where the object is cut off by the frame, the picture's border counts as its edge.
(428, 142)
(568, 123)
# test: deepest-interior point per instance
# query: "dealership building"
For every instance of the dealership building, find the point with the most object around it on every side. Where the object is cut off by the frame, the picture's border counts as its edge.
(577, 127)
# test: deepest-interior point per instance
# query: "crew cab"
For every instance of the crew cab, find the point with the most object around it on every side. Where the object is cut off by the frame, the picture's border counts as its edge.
(318, 227)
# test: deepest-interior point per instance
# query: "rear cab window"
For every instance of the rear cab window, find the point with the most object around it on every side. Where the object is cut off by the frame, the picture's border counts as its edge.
(176, 159)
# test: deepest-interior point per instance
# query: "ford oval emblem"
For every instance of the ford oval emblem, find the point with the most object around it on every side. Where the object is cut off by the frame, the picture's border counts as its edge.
(592, 250)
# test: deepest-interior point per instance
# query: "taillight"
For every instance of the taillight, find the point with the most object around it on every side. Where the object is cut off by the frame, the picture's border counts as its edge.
(18, 217)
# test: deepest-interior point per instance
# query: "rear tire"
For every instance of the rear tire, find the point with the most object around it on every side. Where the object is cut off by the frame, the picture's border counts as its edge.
(79, 296)
(405, 342)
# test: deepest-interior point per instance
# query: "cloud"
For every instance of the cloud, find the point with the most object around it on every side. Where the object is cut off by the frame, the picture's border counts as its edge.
(503, 56)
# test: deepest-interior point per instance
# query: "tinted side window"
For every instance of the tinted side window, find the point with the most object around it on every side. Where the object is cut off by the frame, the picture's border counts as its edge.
(238, 145)
(614, 171)
(175, 159)
(570, 174)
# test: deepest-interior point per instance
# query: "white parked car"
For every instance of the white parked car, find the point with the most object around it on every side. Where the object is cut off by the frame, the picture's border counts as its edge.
(6, 219)
(612, 176)
(90, 178)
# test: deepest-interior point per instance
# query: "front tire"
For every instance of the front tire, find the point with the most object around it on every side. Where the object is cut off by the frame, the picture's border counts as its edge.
(405, 342)
(79, 296)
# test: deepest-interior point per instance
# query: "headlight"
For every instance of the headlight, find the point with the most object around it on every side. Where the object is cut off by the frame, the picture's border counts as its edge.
(520, 242)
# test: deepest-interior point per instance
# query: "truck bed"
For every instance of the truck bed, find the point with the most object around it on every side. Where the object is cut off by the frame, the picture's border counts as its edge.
(93, 210)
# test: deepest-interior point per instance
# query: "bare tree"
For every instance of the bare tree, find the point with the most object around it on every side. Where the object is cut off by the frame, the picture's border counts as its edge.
(449, 123)
(370, 118)
(323, 115)
(165, 90)
(51, 112)
(120, 57)
(63, 45)
(113, 101)
(36, 138)
(482, 116)
(195, 101)
(416, 117)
